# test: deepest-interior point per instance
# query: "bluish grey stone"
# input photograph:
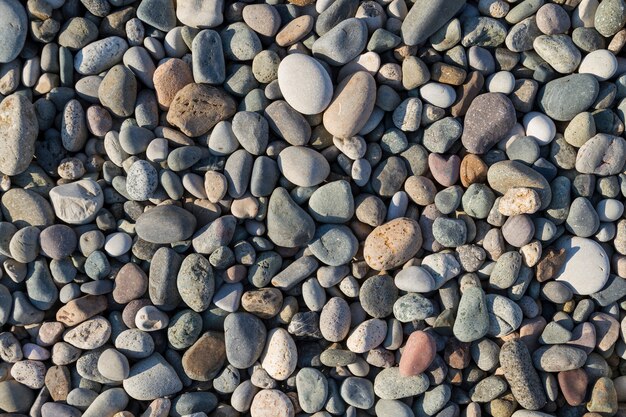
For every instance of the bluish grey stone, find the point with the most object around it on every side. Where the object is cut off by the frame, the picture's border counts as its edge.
(165, 224)
(358, 392)
(237, 171)
(412, 306)
(208, 58)
(158, 13)
(195, 282)
(582, 219)
(152, 378)
(312, 389)
(40, 287)
(190, 403)
(565, 97)
(244, 335)
(13, 29)
(252, 131)
(472, 317)
(334, 245)
(342, 43)
(450, 232)
(288, 224)
(426, 17)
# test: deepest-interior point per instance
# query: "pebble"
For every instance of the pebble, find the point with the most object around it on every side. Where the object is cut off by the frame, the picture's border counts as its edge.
(270, 403)
(351, 106)
(586, 255)
(425, 18)
(303, 166)
(280, 356)
(244, 337)
(579, 91)
(419, 352)
(480, 132)
(311, 97)
(151, 378)
(100, 55)
(77, 202)
(18, 126)
(392, 244)
(165, 224)
(472, 319)
(358, 392)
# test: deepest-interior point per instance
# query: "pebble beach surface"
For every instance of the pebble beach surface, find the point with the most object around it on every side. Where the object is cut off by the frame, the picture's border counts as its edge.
(312, 208)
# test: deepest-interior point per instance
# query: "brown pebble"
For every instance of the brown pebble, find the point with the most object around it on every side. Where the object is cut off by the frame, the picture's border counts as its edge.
(295, 30)
(264, 303)
(466, 93)
(447, 74)
(130, 283)
(169, 78)
(603, 397)
(573, 385)
(473, 170)
(549, 264)
(58, 382)
(81, 309)
(457, 354)
(196, 108)
(392, 244)
(203, 360)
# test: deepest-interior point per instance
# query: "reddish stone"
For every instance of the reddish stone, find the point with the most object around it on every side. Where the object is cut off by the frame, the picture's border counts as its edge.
(130, 283)
(418, 354)
(573, 386)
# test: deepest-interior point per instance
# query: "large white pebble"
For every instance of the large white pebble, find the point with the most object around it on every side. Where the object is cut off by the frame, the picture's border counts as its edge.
(501, 82)
(540, 126)
(586, 267)
(280, 356)
(305, 84)
(440, 95)
(601, 63)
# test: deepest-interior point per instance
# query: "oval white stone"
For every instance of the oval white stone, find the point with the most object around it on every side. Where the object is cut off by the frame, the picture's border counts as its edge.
(305, 84)
(586, 267)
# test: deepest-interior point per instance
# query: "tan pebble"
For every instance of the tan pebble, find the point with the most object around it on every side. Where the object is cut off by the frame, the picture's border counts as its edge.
(351, 105)
(264, 303)
(531, 253)
(169, 78)
(203, 360)
(295, 30)
(392, 244)
(473, 170)
(81, 309)
(519, 200)
(49, 333)
(447, 74)
(271, 403)
(246, 207)
(280, 356)
(58, 382)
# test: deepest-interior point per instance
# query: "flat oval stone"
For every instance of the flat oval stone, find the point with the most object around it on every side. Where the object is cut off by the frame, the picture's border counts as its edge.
(505, 175)
(303, 166)
(335, 320)
(472, 318)
(244, 338)
(165, 224)
(391, 385)
(565, 97)
(208, 58)
(367, 335)
(77, 202)
(558, 358)
(489, 118)
(427, 17)
(334, 245)
(586, 267)
(392, 244)
(13, 29)
(305, 84)
(352, 105)
(312, 388)
(419, 352)
(195, 282)
(414, 279)
(90, 334)
(342, 43)
(100, 55)
(204, 359)
(18, 129)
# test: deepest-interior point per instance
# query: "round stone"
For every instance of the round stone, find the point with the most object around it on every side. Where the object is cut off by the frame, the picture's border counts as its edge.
(586, 267)
(392, 244)
(303, 166)
(304, 83)
(13, 29)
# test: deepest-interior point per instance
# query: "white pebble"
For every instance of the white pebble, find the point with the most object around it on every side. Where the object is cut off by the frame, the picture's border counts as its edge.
(601, 63)
(397, 206)
(539, 126)
(117, 244)
(157, 150)
(501, 82)
(440, 95)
